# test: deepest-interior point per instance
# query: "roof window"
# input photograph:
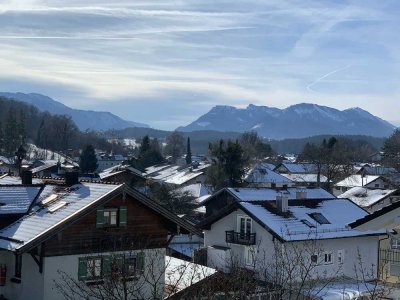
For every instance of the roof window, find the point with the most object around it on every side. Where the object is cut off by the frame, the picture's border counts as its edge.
(308, 223)
(320, 218)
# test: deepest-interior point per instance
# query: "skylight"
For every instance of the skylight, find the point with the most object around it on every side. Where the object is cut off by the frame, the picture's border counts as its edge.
(49, 199)
(308, 223)
(56, 207)
(320, 218)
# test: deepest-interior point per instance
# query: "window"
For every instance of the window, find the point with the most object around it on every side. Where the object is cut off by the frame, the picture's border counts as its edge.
(395, 243)
(249, 253)
(340, 256)
(308, 223)
(111, 217)
(314, 258)
(376, 185)
(320, 218)
(328, 257)
(244, 226)
(90, 268)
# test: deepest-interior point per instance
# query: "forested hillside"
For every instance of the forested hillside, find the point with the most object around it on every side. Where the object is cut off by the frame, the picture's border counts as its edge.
(21, 123)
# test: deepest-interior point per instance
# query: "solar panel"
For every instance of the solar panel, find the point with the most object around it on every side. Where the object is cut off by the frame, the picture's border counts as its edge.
(320, 218)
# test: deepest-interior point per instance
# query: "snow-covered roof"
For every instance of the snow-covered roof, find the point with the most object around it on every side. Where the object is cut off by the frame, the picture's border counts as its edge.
(17, 199)
(118, 169)
(182, 177)
(306, 178)
(378, 170)
(261, 174)
(366, 197)
(260, 194)
(295, 224)
(9, 180)
(74, 199)
(180, 274)
(5, 160)
(357, 180)
(300, 167)
(46, 166)
(197, 189)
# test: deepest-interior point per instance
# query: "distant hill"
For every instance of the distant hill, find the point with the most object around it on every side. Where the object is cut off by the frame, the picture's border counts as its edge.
(296, 121)
(84, 119)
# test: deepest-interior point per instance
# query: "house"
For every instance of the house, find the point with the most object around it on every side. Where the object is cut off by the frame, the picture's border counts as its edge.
(305, 179)
(377, 170)
(86, 233)
(223, 198)
(369, 181)
(123, 174)
(387, 218)
(261, 176)
(268, 235)
(296, 168)
(371, 199)
(7, 165)
(106, 161)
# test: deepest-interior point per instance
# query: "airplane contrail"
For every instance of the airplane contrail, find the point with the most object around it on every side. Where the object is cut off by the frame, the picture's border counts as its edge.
(325, 76)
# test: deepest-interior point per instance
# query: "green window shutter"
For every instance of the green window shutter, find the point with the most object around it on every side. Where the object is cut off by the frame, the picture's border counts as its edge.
(140, 262)
(106, 271)
(122, 216)
(99, 218)
(82, 269)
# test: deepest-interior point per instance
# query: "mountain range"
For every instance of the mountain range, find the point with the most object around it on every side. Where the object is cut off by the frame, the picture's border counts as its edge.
(296, 121)
(84, 119)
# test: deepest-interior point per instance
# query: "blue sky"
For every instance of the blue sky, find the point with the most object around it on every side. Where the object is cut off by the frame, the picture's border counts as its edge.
(165, 63)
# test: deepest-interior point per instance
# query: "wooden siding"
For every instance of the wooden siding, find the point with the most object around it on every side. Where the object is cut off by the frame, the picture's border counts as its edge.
(145, 229)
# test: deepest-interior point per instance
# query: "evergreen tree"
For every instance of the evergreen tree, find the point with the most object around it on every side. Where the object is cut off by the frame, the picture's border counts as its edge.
(188, 152)
(11, 133)
(227, 169)
(391, 150)
(88, 160)
(149, 154)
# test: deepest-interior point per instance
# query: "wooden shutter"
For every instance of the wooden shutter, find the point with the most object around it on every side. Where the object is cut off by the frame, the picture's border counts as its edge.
(140, 262)
(100, 218)
(106, 271)
(82, 269)
(122, 216)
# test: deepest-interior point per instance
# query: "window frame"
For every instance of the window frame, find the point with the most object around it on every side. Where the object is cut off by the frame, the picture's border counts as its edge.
(94, 268)
(329, 254)
(110, 210)
(239, 223)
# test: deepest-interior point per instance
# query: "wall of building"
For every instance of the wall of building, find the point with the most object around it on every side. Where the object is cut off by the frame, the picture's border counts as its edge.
(31, 286)
(349, 248)
(146, 287)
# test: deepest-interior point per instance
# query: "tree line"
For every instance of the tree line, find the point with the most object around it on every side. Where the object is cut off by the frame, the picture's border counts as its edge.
(21, 123)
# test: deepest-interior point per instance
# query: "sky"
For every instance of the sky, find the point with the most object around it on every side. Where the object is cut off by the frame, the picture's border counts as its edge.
(165, 63)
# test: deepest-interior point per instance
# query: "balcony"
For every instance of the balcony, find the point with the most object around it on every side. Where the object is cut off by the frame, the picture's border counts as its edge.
(233, 237)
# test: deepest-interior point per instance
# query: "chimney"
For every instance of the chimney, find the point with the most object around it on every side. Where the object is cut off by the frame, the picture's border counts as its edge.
(282, 203)
(71, 178)
(26, 177)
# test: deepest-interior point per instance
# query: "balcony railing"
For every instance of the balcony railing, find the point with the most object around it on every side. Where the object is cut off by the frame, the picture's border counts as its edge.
(240, 238)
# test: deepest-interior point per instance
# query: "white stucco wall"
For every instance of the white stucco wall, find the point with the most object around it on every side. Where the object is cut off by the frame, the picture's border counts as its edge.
(351, 248)
(36, 286)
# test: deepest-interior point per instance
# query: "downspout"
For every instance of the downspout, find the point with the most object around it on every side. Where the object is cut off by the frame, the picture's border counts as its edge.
(379, 253)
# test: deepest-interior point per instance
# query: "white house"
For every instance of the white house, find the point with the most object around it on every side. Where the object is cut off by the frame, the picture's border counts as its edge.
(253, 232)
(371, 199)
(261, 176)
(358, 180)
(88, 233)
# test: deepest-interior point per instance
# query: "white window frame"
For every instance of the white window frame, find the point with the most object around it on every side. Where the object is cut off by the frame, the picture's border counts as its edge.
(245, 217)
(107, 221)
(249, 255)
(325, 255)
(395, 243)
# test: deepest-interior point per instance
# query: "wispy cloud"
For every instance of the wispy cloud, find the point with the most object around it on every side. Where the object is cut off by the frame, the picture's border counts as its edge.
(201, 53)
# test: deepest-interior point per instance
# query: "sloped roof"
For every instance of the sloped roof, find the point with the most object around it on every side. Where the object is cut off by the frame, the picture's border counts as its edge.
(44, 167)
(299, 178)
(260, 194)
(261, 174)
(366, 197)
(299, 167)
(378, 170)
(10, 180)
(357, 180)
(78, 200)
(119, 169)
(197, 189)
(290, 227)
(17, 199)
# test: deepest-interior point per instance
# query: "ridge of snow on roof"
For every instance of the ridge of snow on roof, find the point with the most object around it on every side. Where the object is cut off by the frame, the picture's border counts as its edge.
(118, 169)
(260, 194)
(357, 180)
(17, 199)
(339, 212)
(365, 197)
(261, 174)
(305, 177)
(29, 227)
